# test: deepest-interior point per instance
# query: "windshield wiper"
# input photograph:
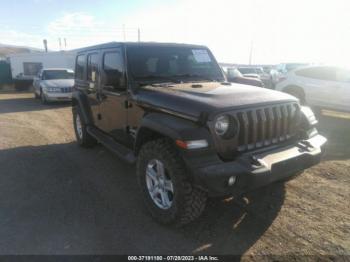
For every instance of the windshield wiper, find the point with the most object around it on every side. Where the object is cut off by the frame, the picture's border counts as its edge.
(157, 77)
(200, 77)
(154, 79)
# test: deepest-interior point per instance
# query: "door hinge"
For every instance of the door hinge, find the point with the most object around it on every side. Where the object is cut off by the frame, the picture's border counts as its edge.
(127, 104)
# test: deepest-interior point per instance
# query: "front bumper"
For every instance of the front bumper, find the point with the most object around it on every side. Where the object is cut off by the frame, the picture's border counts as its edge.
(58, 96)
(253, 170)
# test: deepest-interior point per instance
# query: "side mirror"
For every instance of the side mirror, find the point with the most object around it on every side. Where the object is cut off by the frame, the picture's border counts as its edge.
(231, 75)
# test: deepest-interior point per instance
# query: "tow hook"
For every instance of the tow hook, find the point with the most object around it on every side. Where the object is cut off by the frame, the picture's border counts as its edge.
(256, 162)
(305, 145)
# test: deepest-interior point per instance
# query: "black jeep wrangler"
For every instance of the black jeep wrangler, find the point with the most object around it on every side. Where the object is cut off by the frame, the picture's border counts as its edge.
(169, 109)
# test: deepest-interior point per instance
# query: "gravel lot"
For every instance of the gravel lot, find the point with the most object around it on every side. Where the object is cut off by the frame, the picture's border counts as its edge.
(57, 198)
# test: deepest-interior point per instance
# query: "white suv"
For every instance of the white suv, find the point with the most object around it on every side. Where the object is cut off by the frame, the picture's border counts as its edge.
(319, 86)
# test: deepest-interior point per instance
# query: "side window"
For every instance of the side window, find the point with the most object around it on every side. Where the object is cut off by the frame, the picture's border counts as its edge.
(92, 67)
(79, 67)
(320, 73)
(113, 68)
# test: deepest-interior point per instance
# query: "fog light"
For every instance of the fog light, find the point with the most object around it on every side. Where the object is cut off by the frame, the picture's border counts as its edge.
(231, 180)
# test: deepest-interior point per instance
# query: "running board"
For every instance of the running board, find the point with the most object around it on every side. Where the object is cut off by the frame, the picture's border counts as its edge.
(121, 151)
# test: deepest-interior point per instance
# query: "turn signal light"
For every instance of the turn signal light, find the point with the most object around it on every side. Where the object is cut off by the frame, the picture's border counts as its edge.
(195, 144)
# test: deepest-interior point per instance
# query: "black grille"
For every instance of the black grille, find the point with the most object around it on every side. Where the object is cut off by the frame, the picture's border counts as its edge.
(265, 126)
(66, 89)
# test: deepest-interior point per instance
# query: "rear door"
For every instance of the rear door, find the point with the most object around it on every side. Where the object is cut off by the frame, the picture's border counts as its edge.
(86, 80)
(113, 96)
(92, 80)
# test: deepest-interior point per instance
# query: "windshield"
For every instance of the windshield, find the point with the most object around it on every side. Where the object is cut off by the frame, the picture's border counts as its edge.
(159, 63)
(247, 70)
(57, 74)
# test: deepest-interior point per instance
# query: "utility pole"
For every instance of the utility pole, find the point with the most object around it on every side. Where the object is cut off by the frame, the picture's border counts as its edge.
(124, 36)
(45, 45)
(60, 43)
(139, 34)
(65, 44)
(251, 52)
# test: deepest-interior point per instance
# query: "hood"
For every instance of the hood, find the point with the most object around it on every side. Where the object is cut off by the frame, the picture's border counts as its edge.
(193, 99)
(58, 83)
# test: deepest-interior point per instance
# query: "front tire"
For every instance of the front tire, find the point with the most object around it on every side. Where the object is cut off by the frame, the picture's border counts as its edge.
(84, 139)
(168, 194)
(43, 98)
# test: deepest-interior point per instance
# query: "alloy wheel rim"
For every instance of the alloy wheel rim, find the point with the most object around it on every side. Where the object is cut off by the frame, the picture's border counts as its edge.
(159, 184)
(79, 127)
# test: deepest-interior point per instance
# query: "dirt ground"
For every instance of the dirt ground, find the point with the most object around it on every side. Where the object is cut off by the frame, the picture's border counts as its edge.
(57, 198)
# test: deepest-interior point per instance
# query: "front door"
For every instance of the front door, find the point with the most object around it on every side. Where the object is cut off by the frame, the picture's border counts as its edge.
(113, 95)
(319, 85)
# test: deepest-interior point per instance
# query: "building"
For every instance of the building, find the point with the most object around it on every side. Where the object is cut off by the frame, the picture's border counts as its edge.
(26, 66)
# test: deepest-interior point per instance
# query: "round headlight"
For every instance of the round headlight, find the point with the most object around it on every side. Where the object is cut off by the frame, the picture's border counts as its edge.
(222, 125)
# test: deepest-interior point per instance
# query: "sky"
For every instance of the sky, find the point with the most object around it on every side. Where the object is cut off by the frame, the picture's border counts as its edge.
(274, 30)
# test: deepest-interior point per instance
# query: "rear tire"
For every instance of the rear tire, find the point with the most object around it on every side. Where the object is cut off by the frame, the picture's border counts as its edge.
(84, 139)
(187, 200)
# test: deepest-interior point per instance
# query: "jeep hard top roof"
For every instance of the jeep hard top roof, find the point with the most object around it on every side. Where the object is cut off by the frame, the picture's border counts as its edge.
(127, 44)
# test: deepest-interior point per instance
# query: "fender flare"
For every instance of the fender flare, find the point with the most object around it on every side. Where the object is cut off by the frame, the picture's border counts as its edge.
(80, 99)
(173, 127)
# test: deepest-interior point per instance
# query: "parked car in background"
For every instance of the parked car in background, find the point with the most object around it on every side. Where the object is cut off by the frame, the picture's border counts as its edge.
(54, 84)
(249, 72)
(234, 76)
(192, 135)
(274, 76)
(278, 74)
(286, 67)
(319, 86)
(267, 69)
(256, 72)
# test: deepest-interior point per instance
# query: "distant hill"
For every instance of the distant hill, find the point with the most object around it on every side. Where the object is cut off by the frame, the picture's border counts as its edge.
(12, 49)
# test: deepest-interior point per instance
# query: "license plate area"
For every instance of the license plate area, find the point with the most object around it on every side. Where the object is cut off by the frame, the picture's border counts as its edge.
(291, 165)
